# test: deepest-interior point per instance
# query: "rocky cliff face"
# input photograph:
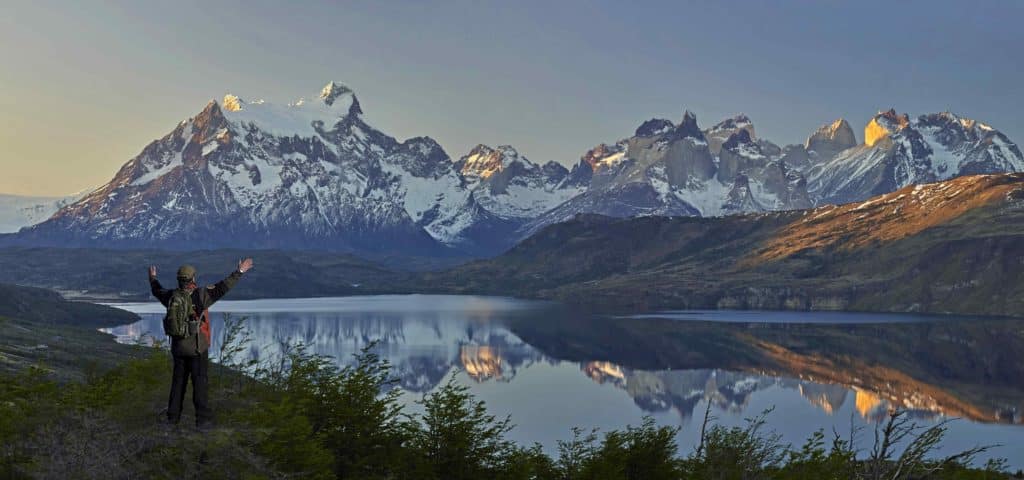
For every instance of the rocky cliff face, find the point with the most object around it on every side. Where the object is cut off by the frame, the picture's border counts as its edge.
(828, 140)
(720, 133)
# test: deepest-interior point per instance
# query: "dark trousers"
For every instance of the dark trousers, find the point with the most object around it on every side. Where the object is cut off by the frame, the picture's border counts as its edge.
(195, 368)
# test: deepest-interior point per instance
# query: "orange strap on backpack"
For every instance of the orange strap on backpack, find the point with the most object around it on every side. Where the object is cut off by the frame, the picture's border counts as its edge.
(204, 324)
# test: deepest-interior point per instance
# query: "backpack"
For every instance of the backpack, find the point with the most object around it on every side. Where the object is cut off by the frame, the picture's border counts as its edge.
(180, 313)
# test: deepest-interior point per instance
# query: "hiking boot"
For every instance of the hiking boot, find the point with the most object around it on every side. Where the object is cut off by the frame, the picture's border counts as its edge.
(204, 425)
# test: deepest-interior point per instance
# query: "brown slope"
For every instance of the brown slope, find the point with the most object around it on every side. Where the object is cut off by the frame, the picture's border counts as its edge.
(892, 216)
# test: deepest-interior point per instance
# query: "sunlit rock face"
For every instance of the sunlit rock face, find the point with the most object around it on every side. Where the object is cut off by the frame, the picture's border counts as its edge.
(828, 140)
(898, 151)
(883, 125)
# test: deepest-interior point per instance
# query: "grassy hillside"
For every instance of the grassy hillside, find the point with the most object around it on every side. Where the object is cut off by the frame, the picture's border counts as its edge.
(39, 328)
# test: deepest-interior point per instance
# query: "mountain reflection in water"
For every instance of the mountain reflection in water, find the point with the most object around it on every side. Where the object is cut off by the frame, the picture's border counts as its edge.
(552, 368)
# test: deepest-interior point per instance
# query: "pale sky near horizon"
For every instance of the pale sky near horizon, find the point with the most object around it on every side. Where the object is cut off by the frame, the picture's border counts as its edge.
(86, 85)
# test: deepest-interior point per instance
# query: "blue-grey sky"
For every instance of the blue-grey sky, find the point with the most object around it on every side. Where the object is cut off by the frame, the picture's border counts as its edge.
(84, 85)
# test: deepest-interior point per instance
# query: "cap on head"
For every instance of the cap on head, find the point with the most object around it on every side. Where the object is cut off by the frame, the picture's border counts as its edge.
(186, 273)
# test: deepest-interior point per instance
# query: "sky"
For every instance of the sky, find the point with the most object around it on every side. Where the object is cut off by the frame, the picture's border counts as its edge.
(85, 85)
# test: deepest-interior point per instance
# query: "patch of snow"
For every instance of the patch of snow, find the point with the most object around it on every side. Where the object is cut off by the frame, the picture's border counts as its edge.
(749, 150)
(527, 199)
(945, 163)
(764, 197)
(210, 148)
(422, 194)
(155, 173)
(707, 197)
(868, 203)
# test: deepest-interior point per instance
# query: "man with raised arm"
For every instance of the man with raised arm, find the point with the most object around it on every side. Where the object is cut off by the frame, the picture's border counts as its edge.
(188, 324)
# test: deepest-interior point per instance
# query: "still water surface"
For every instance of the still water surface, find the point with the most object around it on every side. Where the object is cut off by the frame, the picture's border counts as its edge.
(552, 368)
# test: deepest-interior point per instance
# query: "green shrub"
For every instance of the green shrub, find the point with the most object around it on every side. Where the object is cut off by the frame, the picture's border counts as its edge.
(456, 438)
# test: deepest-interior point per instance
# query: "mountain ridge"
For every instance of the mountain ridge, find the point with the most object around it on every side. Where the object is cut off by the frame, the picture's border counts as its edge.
(312, 174)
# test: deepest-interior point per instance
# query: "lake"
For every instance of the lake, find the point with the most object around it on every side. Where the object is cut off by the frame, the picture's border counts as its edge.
(553, 368)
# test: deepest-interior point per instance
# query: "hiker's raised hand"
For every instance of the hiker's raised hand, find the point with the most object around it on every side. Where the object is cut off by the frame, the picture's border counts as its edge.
(244, 265)
(152, 271)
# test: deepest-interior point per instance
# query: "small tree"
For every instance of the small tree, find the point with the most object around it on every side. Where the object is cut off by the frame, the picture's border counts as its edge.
(456, 439)
(883, 462)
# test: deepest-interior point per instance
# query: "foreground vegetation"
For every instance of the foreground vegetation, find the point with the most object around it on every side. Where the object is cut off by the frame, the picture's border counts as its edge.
(302, 416)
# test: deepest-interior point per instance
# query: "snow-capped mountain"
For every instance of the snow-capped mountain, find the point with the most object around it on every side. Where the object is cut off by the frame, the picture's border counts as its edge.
(17, 211)
(313, 174)
(898, 151)
(669, 169)
(511, 186)
(310, 174)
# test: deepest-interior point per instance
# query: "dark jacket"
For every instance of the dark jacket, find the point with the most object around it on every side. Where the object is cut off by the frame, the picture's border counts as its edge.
(202, 299)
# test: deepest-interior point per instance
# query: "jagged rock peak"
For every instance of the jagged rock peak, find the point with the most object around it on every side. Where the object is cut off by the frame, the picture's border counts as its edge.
(653, 127)
(688, 127)
(689, 117)
(890, 117)
(833, 137)
(600, 152)
(883, 124)
(480, 149)
(738, 138)
(949, 119)
(232, 103)
(425, 146)
(483, 161)
(737, 122)
(332, 91)
(720, 132)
